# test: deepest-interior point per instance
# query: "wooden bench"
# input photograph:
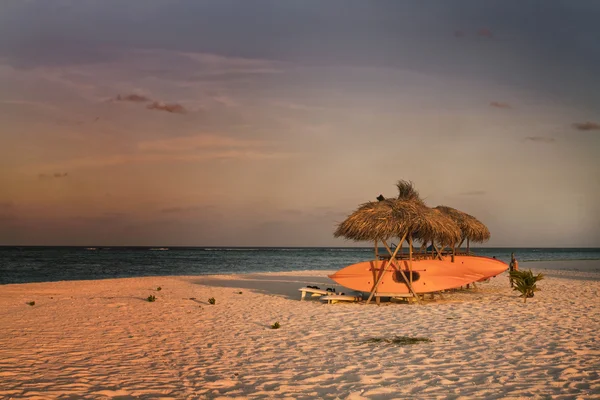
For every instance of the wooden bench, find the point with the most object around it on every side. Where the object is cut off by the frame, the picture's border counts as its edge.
(378, 295)
(334, 298)
(314, 292)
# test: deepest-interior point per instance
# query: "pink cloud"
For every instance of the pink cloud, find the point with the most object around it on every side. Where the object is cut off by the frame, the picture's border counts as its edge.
(197, 142)
(485, 32)
(168, 107)
(587, 126)
(540, 139)
(136, 98)
(498, 104)
(56, 175)
(191, 149)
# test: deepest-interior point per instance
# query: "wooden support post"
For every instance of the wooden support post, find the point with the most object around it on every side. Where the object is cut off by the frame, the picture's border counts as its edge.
(460, 244)
(436, 249)
(393, 256)
(393, 259)
(410, 251)
(376, 264)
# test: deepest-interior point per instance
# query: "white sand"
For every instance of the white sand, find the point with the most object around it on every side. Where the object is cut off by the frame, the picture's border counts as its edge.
(102, 339)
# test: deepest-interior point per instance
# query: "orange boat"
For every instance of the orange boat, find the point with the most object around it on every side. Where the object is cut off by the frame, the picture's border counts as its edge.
(428, 275)
(487, 266)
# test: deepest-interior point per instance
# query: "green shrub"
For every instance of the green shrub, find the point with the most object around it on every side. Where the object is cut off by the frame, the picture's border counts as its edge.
(151, 298)
(275, 325)
(525, 282)
(31, 303)
(158, 289)
(212, 301)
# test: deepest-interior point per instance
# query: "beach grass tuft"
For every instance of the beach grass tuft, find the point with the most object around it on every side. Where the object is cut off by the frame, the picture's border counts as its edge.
(151, 298)
(212, 301)
(275, 325)
(158, 289)
(31, 303)
(399, 340)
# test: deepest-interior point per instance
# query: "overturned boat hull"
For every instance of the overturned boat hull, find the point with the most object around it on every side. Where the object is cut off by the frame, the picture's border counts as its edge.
(427, 275)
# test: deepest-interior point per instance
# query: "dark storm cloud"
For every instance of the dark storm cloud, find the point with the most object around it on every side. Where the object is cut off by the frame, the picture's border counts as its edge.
(540, 139)
(586, 126)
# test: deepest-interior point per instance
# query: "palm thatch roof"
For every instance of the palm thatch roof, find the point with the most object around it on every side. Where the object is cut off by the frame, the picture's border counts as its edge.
(471, 228)
(431, 224)
(379, 220)
(407, 192)
(391, 218)
(408, 214)
(436, 226)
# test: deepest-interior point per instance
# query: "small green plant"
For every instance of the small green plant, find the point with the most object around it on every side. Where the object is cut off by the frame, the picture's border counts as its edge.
(212, 301)
(399, 340)
(525, 282)
(239, 292)
(31, 303)
(275, 325)
(151, 298)
(158, 289)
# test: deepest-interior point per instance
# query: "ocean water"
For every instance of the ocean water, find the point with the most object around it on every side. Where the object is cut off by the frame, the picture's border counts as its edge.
(42, 264)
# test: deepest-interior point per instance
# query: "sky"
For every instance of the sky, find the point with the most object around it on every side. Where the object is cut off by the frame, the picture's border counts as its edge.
(266, 123)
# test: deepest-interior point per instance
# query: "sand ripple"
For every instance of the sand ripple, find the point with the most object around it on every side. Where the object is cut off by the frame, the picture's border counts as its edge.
(101, 339)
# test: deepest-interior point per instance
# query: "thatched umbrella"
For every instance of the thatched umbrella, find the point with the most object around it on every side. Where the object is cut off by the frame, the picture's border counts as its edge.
(404, 217)
(437, 227)
(471, 228)
(431, 224)
(379, 220)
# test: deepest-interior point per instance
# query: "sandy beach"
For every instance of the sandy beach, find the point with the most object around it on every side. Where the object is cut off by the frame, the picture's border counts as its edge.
(103, 339)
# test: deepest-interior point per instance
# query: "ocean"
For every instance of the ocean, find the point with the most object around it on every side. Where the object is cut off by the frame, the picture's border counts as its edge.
(44, 264)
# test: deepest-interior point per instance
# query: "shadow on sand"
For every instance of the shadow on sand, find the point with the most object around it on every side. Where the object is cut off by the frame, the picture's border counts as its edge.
(284, 286)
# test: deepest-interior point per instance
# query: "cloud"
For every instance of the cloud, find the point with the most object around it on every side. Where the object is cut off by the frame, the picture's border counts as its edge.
(168, 107)
(136, 98)
(196, 142)
(56, 175)
(485, 32)
(499, 104)
(587, 126)
(473, 193)
(218, 64)
(198, 148)
(182, 210)
(222, 99)
(459, 33)
(104, 217)
(540, 139)
(137, 158)
(7, 205)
